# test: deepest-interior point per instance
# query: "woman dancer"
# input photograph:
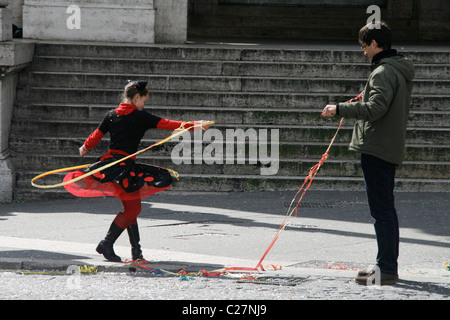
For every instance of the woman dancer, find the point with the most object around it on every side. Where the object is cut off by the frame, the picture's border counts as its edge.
(128, 181)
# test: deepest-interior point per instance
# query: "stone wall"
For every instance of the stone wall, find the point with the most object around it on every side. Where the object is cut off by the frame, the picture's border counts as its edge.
(128, 21)
(172, 21)
(14, 56)
(92, 20)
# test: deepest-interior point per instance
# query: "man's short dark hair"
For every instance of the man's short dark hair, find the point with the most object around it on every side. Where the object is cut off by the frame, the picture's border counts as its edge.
(381, 33)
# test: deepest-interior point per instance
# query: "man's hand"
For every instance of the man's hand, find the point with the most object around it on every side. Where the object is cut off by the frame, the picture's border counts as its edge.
(329, 110)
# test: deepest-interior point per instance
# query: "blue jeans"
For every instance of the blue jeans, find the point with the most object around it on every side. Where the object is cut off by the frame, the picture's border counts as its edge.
(379, 177)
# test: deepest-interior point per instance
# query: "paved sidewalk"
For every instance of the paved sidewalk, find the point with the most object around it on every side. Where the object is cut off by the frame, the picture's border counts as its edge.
(331, 238)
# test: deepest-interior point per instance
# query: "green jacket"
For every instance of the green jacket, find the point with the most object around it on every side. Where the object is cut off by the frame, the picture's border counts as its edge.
(382, 114)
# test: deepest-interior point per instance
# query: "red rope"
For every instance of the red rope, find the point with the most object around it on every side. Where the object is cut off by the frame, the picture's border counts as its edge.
(305, 186)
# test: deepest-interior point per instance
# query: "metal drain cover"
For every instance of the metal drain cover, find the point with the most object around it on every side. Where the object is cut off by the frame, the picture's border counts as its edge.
(326, 205)
(275, 281)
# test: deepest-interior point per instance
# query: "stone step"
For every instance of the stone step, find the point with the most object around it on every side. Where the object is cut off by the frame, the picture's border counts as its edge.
(64, 94)
(243, 166)
(297, 116)
(437, 101)
(288, 150)
(223, 68)
(307, 53)
(288, 133)
(62, 81)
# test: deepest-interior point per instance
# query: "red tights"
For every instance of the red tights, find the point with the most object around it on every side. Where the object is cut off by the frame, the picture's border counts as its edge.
(131, 209)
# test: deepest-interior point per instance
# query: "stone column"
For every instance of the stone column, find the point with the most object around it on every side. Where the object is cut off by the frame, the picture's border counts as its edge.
(171, 21)
(16, 9)
(14, 55)
(5, 21)
(7, 173)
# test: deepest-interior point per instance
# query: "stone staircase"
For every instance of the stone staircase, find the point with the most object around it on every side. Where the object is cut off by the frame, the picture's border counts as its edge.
(63, 94)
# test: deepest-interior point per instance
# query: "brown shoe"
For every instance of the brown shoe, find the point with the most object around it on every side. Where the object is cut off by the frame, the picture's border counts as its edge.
(364, 273)
(371, 277)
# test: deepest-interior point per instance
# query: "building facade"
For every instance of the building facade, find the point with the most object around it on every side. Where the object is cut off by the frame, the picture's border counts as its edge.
(174, 21)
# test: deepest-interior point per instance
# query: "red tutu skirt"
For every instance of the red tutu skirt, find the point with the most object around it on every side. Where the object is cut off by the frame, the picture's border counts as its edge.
(126, 180)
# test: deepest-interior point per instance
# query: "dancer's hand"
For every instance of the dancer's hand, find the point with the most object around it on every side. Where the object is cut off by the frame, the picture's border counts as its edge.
(204, 124)
(82, 150)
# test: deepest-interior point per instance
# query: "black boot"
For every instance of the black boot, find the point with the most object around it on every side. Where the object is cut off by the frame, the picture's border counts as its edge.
(133, 234)
(105, 246)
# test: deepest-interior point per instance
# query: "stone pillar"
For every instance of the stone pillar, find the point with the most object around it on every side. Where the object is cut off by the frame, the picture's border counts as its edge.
(16, 9)
(7, 173)
(171, 21)
(5, 21)
(14, 55)
(130, 21)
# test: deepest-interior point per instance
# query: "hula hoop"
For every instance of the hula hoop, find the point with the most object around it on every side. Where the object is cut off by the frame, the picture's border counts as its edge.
(180, 131)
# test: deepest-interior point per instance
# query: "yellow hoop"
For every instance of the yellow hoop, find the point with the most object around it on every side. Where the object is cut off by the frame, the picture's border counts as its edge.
(177, 133)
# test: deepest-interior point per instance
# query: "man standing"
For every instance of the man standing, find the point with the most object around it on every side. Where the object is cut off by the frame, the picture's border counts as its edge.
(379, 135)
